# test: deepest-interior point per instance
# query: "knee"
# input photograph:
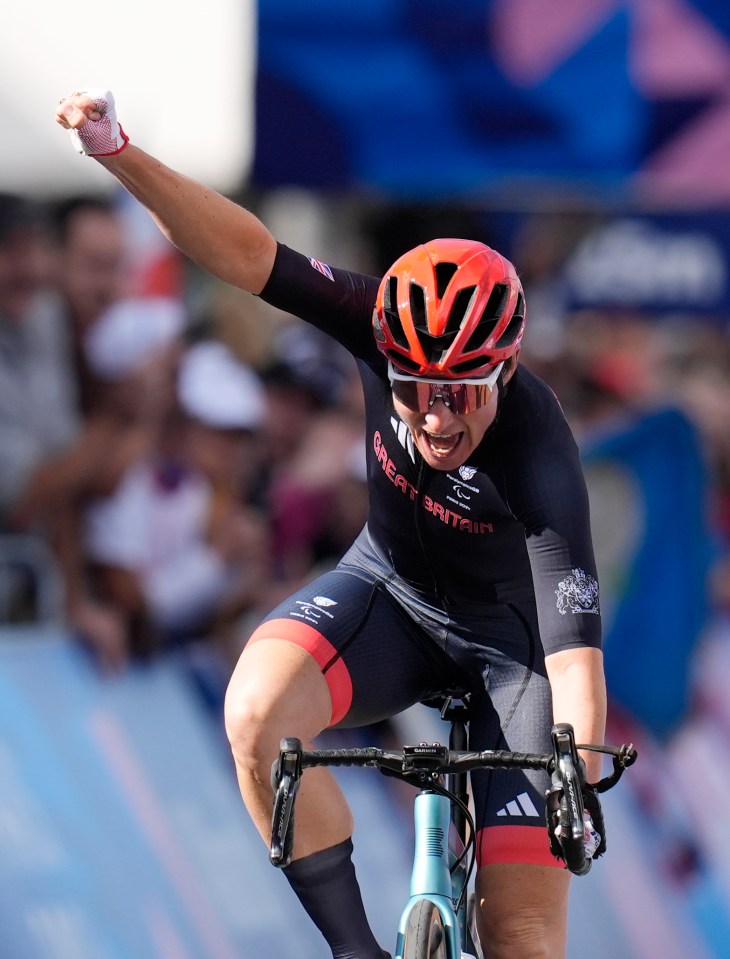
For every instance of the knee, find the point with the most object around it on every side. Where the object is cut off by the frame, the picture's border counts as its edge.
(518, 937)
(256, 720)
(251, 732)
(276, 690)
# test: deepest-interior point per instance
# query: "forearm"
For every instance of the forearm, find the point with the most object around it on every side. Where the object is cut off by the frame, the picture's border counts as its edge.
(579, 698)
(221, 236)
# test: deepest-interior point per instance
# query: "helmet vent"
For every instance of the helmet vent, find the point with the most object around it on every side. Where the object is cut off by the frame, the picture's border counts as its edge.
(403, 362)
(511, 333)
(469, 366)
(514, 326)
(417, 298)
(462, 302)
(390, 311)
(490, 317)
(444, 274)
(436, 345)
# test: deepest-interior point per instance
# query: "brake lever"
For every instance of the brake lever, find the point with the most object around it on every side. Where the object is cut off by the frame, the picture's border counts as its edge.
(568, 771)
(286, 774)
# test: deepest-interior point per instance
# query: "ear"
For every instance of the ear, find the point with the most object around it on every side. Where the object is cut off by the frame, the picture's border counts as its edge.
(509, 372)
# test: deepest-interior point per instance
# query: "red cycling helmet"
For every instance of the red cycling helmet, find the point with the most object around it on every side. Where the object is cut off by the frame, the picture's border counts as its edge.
(449, 309)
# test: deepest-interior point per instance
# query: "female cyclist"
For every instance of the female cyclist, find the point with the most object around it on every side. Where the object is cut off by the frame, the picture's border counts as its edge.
(475, 568)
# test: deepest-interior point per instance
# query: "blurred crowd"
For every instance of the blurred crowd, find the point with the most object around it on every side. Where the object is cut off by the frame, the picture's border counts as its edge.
(186, 458)
(179, 472)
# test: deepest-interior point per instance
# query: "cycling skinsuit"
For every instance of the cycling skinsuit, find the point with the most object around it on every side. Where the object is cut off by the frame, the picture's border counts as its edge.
(466, 577)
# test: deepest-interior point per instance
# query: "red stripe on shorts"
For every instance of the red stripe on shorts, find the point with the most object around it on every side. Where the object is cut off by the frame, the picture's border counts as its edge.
(337, 676)
(525, 844)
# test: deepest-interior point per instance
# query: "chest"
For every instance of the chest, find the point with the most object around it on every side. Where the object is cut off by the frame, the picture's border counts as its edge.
(468, 499)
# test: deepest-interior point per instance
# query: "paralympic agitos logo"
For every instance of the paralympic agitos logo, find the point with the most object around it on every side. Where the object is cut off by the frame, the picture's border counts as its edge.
(313, 610)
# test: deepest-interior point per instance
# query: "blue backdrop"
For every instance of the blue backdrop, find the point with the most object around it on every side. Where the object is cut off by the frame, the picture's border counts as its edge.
(422, 98)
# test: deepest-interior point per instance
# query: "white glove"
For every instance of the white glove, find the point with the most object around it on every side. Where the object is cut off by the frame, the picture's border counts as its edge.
(591, 837)
(103, 137)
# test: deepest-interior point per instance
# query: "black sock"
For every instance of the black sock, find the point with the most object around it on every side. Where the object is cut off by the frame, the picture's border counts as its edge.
(327, 887)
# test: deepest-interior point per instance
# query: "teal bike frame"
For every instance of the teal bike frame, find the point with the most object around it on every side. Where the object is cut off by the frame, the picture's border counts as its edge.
(435, 922)
(432, 878)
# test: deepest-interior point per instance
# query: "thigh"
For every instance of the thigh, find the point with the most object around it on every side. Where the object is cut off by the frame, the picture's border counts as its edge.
(375, 659)
(511, 709)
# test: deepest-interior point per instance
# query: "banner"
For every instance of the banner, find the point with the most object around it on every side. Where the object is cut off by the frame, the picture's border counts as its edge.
(648, 488)
(495, 100)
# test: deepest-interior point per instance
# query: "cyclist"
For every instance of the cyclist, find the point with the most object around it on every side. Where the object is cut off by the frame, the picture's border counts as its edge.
(475, 567)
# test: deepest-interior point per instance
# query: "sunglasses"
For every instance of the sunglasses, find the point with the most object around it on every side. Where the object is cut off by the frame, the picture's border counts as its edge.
(461, 398)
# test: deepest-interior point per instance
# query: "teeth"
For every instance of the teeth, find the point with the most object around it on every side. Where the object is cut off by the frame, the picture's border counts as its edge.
(442, 442)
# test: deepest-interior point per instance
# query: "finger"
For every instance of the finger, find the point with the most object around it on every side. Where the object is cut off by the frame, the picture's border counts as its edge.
(73, 111)
(72, 116)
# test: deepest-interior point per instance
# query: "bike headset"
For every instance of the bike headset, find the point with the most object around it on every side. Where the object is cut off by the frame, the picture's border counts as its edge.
(449, 318)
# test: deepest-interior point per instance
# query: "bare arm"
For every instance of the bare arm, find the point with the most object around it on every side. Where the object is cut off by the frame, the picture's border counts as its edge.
(579, 697)
(223, 238)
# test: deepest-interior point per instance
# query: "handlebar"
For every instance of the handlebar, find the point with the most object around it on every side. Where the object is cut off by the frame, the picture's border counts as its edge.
(425, 763)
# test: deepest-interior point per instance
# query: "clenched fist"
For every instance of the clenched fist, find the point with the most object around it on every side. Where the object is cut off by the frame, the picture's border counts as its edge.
(91, 119)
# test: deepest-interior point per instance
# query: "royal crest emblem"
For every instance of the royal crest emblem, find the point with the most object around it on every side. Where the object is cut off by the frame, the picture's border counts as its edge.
(578, 592)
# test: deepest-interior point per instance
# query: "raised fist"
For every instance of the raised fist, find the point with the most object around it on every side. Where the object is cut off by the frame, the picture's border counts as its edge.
(91, 119)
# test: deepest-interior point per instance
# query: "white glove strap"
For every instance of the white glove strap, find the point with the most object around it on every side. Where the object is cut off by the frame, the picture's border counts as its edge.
(103, 137)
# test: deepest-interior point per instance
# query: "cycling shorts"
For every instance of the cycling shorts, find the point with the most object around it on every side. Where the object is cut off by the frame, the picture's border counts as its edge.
(382, 649)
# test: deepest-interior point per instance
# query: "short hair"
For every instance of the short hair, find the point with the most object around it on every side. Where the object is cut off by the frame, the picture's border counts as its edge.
(64, 211)
(18, 213)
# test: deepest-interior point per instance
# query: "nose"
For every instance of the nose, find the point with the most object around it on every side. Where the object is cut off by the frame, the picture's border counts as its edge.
(439, 416)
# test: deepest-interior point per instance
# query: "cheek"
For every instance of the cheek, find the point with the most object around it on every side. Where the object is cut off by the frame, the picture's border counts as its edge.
(481, 421)
(409, 417)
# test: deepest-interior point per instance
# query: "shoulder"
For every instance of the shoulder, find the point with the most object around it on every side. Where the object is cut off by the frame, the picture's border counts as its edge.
(530, 405)
(339, 302)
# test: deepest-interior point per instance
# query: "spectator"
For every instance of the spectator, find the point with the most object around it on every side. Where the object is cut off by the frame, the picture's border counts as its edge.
(172, 548)
(38, 417)
(314, 414)
(347, 509)
(226, 406)
(318, 490)
(92, 272)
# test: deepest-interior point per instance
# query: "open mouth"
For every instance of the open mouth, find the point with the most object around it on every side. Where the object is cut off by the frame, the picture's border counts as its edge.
(442, 444)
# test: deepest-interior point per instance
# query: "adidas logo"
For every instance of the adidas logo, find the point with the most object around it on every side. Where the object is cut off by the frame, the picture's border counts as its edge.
(521, 806)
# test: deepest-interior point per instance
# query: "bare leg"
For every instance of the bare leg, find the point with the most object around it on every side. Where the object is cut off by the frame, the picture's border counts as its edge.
(277, 690)
(523, 911)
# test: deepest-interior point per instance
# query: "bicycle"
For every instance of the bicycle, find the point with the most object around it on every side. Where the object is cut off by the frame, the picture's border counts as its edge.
(436, 922)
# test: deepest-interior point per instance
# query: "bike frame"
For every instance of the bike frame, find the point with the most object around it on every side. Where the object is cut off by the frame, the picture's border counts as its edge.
(431, 877)
(440, 872)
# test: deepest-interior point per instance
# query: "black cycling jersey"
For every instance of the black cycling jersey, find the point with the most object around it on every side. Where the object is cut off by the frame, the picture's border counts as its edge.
(462, 578)
(509, 527)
